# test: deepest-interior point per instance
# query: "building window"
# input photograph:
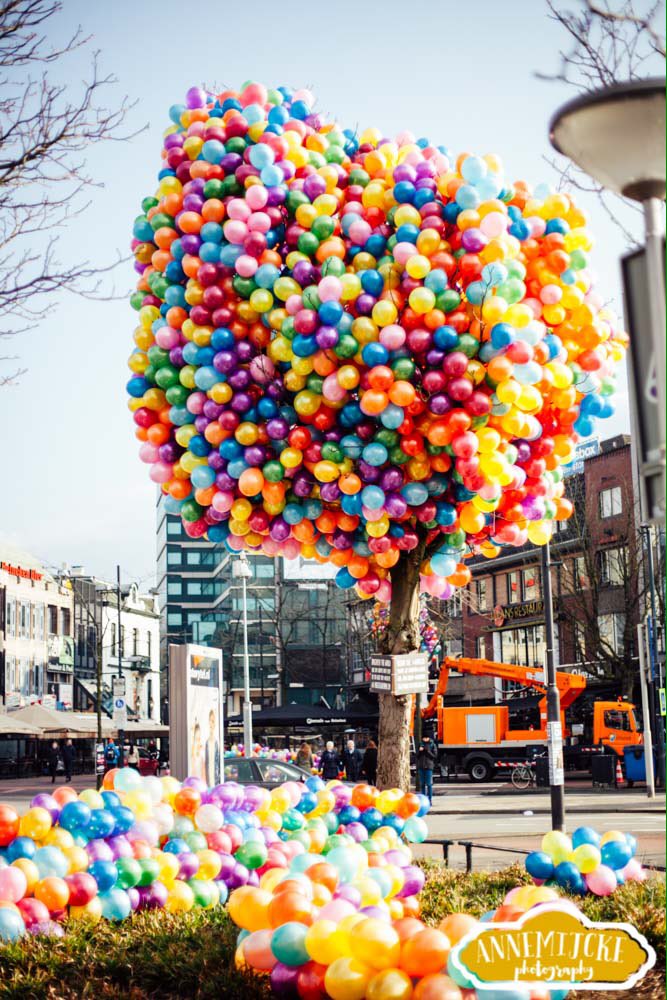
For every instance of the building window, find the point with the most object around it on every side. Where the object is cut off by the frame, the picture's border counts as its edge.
(531, 583)
(480, 647)
(173, 557)
(174, 588)
(193, 558)
(24, 620)
(482, 587)
(193, 588)
(612, 628)
(611, 502)
(65, 621)
(53, 620)
(174, 529)
(11, 618)
(149, 644)
(38, 617)
(265, 571)
(523, 646)
(513, 588)
(135, 641)
(174, 618)
(612, 567)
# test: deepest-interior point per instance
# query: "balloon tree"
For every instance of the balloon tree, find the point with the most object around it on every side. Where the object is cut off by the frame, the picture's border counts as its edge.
(361, 350)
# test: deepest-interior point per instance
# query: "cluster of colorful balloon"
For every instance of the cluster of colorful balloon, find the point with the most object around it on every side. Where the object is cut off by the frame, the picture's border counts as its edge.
(148, 842)
(429, 636)
(587, 861)
(350, 930)
(351, 346)
(269, 753)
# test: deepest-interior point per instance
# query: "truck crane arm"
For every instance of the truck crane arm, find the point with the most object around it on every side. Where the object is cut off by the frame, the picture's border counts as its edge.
(570, 686)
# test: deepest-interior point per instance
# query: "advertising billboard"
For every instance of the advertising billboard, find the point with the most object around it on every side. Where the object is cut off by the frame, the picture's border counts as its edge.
(196, 745)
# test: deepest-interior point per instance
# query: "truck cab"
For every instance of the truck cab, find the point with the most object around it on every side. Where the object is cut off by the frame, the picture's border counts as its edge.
(615, 725)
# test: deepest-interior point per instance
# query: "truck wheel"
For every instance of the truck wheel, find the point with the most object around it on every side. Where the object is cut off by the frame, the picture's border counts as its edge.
(479, 770)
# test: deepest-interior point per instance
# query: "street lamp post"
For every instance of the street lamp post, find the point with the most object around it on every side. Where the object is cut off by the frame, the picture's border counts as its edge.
(241, 570)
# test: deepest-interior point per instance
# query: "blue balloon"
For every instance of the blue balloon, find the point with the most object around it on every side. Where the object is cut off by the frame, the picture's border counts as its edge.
(176, 845)
(21, 847)
(75, 816)
(11, 925)
(569, 877)
(115, 904)
(349, 814)
(371, 819)
(539, 865)
(616, 854)
(50, 861)
(632, 842)
(314, 784)
(124, 819)
(105, 874)
(585, 835)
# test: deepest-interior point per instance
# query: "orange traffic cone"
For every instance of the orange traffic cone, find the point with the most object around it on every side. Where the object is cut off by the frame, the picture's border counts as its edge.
(620, 780)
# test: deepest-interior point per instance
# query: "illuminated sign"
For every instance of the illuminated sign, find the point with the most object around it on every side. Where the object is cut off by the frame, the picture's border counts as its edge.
(26, 574)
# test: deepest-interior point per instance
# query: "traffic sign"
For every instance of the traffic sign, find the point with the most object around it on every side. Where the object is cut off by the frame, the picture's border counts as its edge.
(119, 702)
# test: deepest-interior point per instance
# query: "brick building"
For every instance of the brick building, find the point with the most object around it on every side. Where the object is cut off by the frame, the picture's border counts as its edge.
(597, 586)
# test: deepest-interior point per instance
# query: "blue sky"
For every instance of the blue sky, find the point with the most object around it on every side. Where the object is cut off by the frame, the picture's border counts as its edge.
(461, 74)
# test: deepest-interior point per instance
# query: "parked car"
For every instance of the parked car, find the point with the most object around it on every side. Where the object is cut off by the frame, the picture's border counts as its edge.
(262, 771)
(148, 762)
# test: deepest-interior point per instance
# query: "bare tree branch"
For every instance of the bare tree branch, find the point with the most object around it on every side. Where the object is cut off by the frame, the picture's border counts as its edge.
(46, 129)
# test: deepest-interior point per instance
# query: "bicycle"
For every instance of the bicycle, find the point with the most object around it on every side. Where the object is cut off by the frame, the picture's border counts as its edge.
(523, 776)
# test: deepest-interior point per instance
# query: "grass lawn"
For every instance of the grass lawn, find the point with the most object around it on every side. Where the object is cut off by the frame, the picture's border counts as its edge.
(154, 956)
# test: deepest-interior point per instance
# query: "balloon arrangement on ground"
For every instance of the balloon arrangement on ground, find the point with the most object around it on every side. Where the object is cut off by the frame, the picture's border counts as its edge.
(151, 843)
(587, 861)
(350, 346)
(352, 932)
(429, 637)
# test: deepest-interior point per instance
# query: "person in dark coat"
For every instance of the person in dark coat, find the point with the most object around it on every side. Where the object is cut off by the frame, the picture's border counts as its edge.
(54, 757)
(369, 768)
(427, 755)
(69, 756)
(330, 762)
(352, 761)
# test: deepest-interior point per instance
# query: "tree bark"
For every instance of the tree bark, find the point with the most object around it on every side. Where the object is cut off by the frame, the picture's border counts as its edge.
(400, 636)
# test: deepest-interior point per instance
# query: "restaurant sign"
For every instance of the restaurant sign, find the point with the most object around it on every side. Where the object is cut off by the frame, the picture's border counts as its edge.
(25, 574)
(502, 614)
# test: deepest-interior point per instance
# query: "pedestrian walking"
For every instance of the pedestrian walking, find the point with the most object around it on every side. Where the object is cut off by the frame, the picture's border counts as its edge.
(69, 756)
(369, 767)
(54, 759)
(426, 758)
(352, 761)
(133, 758)
(330, 762)
(111, 755)
(304, 757)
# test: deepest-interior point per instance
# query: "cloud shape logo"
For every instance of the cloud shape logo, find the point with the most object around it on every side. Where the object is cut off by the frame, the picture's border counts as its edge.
(554, 945)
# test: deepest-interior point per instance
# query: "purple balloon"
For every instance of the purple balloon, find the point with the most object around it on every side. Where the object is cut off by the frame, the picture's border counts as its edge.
(414, 881)
(227, 867)
(357, 831)
(45, 801)
(188, 866)
(98, 850)
(348, 893)
(134, 897)
(284, 981)
(377, 912)
(120, 846)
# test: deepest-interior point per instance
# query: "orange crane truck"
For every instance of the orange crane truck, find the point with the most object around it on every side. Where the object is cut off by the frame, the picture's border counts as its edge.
(478, 739)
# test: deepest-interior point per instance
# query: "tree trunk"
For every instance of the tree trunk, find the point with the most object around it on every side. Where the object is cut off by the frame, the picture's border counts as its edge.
(400, 636)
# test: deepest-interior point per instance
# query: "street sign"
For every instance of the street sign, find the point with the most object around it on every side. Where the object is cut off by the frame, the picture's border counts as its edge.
(400, 674)
(663, 705)
(555, 744)
(648, 432)
(119, 702)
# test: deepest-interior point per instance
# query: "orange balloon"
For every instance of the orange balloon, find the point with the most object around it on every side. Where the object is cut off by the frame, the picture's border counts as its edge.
(457, 925)
(251, 482)
(402, 393)
(323, 873)
(407, 927)
(187, 801)
(53, 892)
(290, 906)
(63, 795)
(408, 806)
(425, 953)
(437, 986)
(364, 796)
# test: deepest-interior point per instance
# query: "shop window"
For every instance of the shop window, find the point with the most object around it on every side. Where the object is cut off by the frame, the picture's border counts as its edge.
(611, 502)
(523, 646)
(482, 588)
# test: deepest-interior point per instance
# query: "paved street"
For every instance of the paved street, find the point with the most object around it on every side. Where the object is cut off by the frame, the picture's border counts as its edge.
(493, 815)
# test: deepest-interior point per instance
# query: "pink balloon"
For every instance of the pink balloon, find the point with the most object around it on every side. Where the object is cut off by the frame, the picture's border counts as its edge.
(13, 884)
(335, 910)
(633, 871)
(602, 881)
(329, 289)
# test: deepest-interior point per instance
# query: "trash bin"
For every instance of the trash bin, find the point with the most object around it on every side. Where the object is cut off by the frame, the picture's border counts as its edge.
(603, 768)
(542, 772)
(635, 764)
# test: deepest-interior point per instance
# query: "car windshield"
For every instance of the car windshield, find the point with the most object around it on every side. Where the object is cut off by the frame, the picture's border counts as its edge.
(274, 770)
(239, 770)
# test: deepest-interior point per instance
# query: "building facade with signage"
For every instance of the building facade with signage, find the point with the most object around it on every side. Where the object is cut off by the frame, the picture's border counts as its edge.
(597, 568)
(131, 646)
(36, 639)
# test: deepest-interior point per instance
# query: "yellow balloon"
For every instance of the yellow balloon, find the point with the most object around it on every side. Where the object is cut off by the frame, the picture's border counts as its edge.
(58, 837)
(30, 870)
(169, 788)
(324, 943)
(390, 984)
(92, 798)
(169, 867)
(92, 911)
(180, 899)
(35, 823)
(347, 979)
(210, 864)
(77, 858)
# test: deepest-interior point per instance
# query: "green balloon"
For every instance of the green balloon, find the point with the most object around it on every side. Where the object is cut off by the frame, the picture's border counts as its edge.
(448, 300)
(346, 347)
(196, 841)
(148, 203)
(273, 472)
(137, 300)
(161, 220)
(205, 893)
(308, 243)
(214, 189)
(302, 837)
(468, 344)
(129, 873)
(333, 265)
(310, 297)
(235, 145)
(177, 395)
(182, 826)
(403, 369)
(323, 227)
(331, 452)
(149, 871)
(252, 854)
(191, 510)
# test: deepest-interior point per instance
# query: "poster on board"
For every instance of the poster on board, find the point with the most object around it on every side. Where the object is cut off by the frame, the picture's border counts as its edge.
(195, 713)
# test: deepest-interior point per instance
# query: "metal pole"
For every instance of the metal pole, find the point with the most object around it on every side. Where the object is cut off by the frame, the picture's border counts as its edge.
(247, 704)
(648, 739)
(655, 269)
(261, 653)
(121, 732)
(652, 674)
(554, 726)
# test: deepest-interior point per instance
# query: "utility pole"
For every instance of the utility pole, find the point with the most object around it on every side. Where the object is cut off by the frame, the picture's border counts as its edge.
(121, 732)
(653, 719)
(554, 725)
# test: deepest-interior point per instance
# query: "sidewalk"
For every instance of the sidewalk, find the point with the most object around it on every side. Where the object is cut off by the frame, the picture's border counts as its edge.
(591, 800)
